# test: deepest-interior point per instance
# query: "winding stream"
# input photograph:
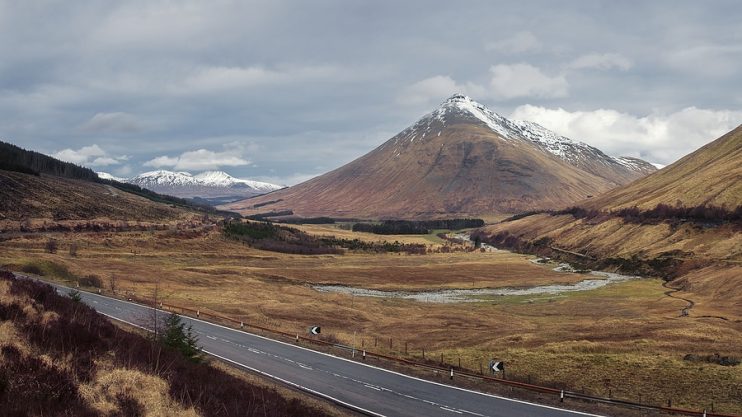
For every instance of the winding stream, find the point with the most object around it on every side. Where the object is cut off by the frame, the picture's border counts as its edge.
(598, 279)
(480, 294)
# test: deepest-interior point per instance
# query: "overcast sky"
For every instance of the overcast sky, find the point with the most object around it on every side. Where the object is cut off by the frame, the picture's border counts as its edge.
(285, 90)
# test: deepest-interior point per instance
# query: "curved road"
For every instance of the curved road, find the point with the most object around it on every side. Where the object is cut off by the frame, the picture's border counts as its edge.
(367, 389)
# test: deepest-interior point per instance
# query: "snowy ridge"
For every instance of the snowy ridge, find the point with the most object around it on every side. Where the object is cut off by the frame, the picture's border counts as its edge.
(185, 184)
(459, 106)
(205, 179)
(162, 177)
(222, 179)
(636, 164)
(107, 176)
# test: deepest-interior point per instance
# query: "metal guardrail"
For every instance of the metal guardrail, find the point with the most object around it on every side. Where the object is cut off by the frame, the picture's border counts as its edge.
(458, 371)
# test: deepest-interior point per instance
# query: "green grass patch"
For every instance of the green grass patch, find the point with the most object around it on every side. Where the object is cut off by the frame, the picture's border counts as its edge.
(433, 236)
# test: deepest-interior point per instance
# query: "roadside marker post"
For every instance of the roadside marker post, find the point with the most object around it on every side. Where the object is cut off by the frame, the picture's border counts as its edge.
(451, 373)
(497, 366)
(561, 396)
(364, 354)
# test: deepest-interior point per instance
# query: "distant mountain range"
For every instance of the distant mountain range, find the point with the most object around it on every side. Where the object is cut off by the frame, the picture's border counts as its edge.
(213, 187)
(459, 160)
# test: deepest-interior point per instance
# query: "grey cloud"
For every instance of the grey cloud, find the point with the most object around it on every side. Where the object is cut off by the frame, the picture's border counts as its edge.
(111, 122)
(316, 84)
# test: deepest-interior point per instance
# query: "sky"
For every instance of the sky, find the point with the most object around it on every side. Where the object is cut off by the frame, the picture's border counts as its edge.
(282, 91)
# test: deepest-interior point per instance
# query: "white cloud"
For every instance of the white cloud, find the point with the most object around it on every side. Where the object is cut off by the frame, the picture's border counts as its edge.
(520, 42)
(657, 138)
(434, 90)
(92, 155)
(524, 80)
(116, 122)
(601, 61)
(200, 160)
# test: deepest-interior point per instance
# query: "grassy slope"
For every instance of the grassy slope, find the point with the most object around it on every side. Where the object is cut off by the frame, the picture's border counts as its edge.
(711, 175)
(58, 357)
(630, 334)
(24, 196)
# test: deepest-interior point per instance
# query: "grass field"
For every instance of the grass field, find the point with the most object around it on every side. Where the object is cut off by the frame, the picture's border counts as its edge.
(627, 340)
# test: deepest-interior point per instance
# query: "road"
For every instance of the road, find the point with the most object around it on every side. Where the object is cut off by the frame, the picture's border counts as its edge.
(364, 388)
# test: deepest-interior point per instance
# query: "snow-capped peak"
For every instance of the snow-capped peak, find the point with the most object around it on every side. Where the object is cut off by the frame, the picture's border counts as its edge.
(163, 177)
(460, 107)
(460, 103)
(222, 179)
(107, 176)
(218, 179)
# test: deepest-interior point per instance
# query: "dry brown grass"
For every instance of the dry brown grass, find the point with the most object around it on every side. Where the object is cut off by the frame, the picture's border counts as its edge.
(628, 337)
(150, 391)
(712, 175)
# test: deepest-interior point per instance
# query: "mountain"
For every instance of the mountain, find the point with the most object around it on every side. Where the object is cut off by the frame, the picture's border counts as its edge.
(459, 160)
(210, 186)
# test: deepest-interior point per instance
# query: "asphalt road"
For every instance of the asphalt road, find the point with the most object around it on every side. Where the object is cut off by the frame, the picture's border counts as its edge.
(367, 389)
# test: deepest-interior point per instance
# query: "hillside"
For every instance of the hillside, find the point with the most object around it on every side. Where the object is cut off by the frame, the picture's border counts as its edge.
(712, 175)
(24, 196)
(38, 188)
(702, 253)
(58, 357)
(460, 160)
(15, 158)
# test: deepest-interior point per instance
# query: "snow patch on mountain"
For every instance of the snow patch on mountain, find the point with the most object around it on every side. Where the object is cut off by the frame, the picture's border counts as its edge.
(222, 179)
(107, 176)
(460, 106)
(215, 185)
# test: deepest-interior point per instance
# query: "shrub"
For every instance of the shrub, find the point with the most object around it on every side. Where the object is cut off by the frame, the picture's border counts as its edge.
(90, 281)
(416, 227)
(51, 245)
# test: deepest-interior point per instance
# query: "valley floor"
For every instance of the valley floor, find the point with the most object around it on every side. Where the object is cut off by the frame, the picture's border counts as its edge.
(627, 340)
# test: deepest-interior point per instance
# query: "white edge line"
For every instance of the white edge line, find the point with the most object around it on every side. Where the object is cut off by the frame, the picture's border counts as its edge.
(347, 360)
(333, 399)
(293, 384)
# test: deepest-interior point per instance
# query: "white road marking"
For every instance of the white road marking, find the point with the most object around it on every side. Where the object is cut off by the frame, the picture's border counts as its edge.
(237, 331)
(451, 410)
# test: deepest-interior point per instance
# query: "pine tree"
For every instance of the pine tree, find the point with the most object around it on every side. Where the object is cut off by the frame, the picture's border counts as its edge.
(181, 338)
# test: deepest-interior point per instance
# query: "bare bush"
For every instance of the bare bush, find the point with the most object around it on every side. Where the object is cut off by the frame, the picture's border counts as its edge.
(73, 249)
(51, 245)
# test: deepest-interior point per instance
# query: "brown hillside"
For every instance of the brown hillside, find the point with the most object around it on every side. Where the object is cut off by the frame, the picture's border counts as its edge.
(705, 260)
(460, 160)
(24, 196)
(712, 175)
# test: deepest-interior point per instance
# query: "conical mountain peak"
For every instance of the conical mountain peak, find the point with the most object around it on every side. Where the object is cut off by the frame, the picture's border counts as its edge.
(461, 159)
